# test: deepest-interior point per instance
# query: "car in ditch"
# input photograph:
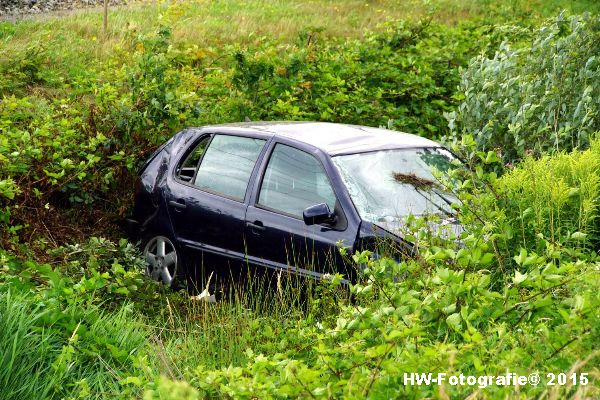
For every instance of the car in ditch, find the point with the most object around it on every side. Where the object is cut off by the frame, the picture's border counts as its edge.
(280, 196)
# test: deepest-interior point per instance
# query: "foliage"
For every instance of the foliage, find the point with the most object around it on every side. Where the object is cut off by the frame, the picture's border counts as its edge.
(403, 77)
(517, 290)
(543, 205)
(555, 198)
(537, 99)
(153, 96)
(98, 272)
(441, 318)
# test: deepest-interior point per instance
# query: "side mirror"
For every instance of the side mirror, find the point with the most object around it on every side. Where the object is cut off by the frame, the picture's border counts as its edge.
(318, 214)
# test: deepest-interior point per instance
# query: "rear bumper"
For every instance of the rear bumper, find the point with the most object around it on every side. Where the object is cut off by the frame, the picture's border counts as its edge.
(132, 229)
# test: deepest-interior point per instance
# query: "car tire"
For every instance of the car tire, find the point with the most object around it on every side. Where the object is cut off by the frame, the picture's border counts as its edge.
(163, 260)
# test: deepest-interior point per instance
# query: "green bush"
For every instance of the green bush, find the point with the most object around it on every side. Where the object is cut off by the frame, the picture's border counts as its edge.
(438, 319)
(541, 98)
(549, 204)
(151, 95)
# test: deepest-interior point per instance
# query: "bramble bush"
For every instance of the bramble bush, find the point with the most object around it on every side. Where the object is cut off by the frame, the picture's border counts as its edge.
(404, 76)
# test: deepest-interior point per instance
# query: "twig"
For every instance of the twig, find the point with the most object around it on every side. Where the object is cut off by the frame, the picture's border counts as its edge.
(375, 372)
(561, 348)
(535, 295)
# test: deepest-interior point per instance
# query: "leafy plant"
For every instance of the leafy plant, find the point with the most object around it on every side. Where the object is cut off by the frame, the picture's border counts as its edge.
(537, 99)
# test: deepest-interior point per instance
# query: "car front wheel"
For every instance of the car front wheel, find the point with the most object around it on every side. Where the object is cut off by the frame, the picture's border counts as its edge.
(162, 260)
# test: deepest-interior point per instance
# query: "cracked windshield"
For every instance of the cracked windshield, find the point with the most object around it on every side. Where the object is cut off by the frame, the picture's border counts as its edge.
(389, 184)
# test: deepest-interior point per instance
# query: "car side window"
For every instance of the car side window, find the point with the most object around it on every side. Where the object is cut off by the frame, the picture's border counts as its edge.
(187, 169)
(293, 181)
(227, 165)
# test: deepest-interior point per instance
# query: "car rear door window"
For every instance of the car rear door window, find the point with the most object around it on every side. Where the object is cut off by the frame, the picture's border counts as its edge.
(186, 171)
(293, 181)
(227, 164)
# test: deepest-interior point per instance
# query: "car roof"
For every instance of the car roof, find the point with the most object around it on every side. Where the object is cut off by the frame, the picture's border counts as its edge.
(332, 138)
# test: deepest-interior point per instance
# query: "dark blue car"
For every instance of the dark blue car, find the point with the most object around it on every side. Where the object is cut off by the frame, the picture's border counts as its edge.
(279, 196)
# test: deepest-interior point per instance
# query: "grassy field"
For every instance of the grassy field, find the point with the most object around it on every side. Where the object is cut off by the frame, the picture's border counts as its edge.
(80, 109)
(77, 36)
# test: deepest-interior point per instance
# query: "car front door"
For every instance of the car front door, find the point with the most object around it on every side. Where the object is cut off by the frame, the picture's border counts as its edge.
(277, 237)
(206, 200)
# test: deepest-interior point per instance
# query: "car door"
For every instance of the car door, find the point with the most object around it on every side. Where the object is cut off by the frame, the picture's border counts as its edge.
(277, 237)
(206, 199)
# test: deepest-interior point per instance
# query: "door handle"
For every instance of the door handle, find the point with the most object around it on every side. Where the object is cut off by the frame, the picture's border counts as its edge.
(256, 227)
(178, 205)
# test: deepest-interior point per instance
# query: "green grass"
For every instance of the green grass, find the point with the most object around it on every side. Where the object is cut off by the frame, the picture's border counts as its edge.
(55, 343)
(255, 313)
(73, 41)
(42, 356)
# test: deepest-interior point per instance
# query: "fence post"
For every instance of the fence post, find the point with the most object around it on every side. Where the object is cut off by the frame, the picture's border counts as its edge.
(105, 16)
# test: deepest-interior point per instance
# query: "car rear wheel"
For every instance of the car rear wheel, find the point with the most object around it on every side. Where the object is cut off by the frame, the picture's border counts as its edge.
(162, 260)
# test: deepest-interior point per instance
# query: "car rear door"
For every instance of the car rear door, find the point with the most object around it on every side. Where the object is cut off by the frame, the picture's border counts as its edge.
(290, 180)
(206, 199)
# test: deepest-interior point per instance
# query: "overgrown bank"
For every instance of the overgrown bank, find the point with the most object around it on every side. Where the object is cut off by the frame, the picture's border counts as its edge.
(519, 294)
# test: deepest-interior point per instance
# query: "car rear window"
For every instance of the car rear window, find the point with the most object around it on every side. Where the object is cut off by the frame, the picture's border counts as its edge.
(227, 164)
(186, 171)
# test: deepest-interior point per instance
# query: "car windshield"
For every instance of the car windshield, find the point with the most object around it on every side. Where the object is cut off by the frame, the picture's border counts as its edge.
(391, 184)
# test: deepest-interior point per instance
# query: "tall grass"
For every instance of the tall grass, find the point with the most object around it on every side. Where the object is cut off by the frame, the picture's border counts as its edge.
(26, 352)
(554, 196)
(253, 313)
(46, 352)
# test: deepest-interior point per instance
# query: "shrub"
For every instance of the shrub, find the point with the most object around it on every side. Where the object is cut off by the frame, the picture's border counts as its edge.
(438, 319)
(538, 99)
(404, 76)
(549, 204)
(153, 95)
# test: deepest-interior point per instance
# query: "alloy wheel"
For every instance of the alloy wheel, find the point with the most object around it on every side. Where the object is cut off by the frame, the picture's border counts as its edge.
(161, 260)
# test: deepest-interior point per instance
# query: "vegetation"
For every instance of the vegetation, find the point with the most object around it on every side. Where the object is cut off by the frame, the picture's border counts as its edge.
(538, 99)
(80, 110)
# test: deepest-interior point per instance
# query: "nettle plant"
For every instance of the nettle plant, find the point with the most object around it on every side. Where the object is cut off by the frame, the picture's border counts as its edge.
(454, 308)
(537, 99)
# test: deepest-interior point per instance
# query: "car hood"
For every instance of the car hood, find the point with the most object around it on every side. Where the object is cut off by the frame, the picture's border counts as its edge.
(445, 227)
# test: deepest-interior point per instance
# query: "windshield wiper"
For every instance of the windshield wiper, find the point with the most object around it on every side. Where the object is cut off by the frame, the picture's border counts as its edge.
(440, 208)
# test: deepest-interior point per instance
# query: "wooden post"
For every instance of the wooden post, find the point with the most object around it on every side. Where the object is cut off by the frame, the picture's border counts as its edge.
(105, 16)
